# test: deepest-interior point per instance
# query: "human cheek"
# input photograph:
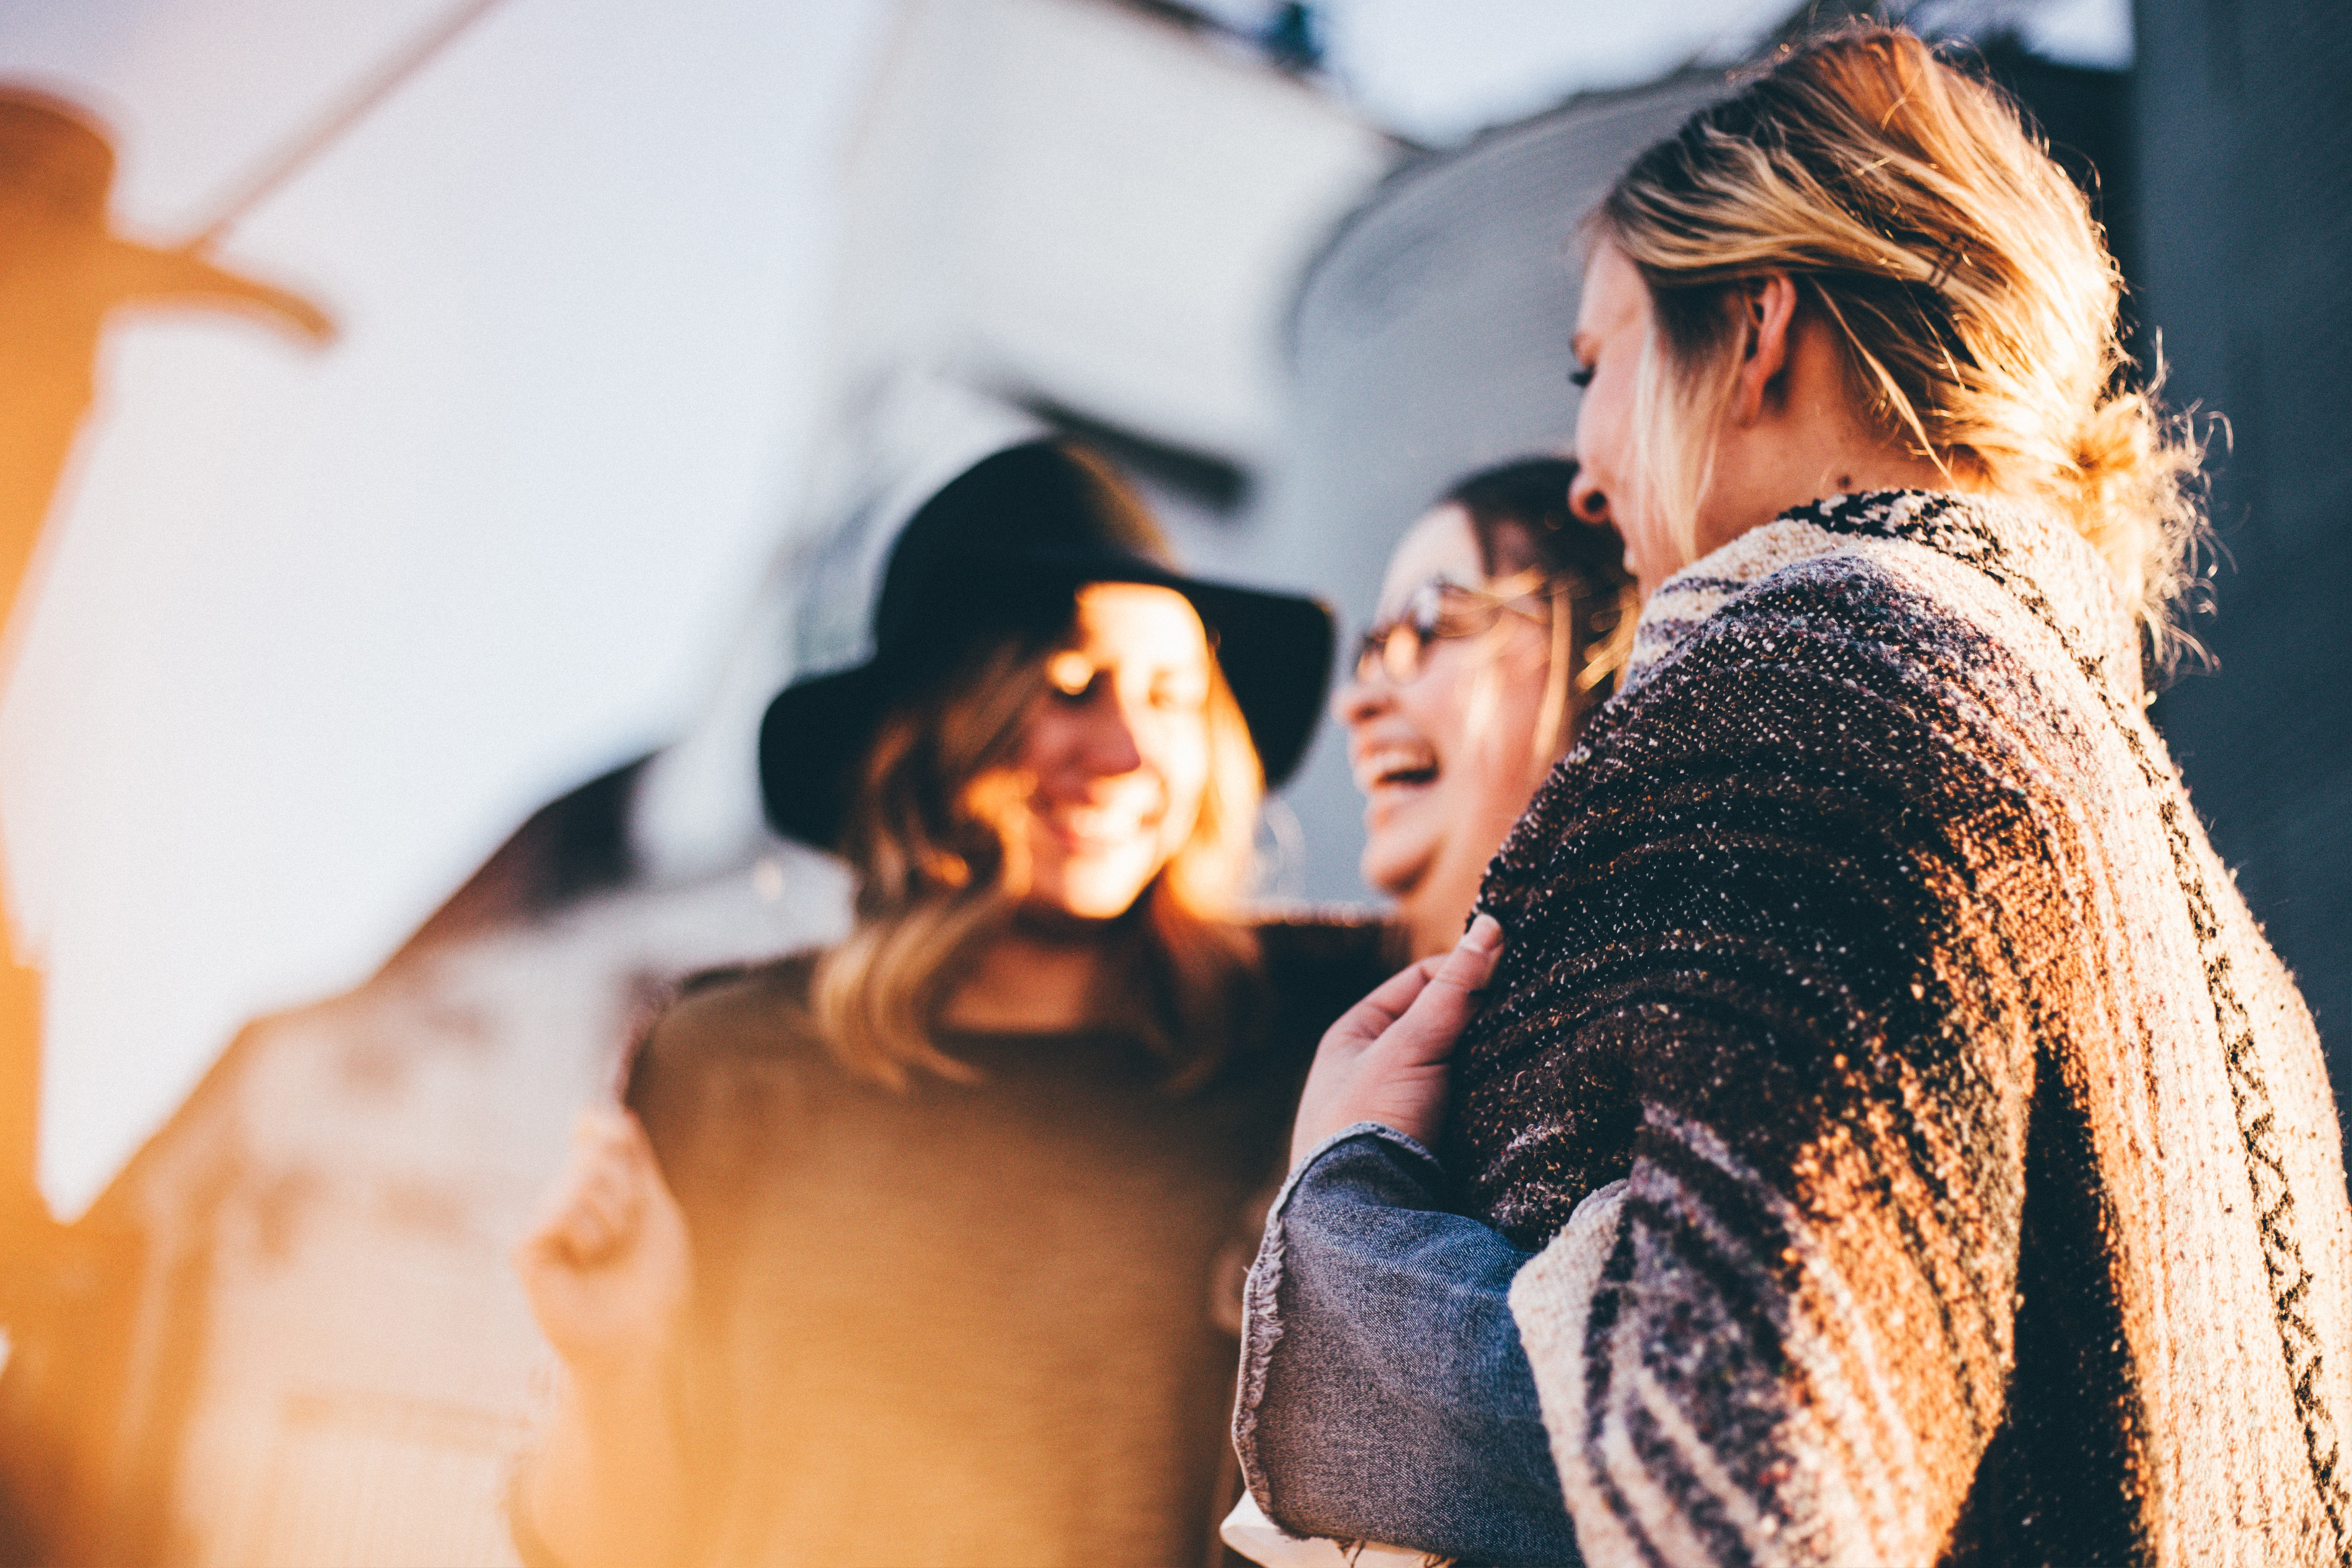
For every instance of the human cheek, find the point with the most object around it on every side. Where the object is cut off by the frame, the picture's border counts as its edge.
(1436, 703)
(1049, 733)
(1356, 704)
(1598, 436)
(1183, 769)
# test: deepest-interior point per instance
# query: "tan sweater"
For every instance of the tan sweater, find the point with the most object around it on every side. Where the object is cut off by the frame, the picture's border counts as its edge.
(968, 1324)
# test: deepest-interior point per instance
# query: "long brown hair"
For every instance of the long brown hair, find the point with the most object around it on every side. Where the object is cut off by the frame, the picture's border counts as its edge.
(1520, 518)
(1969, 289)
(932, 836)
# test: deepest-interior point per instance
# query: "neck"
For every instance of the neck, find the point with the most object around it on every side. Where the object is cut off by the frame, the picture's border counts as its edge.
(1030, 980)
(1429, 930)
(1810, 470)
(1803, 440)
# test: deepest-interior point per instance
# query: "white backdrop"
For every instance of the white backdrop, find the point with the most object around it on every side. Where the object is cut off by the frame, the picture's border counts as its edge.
(315, 631)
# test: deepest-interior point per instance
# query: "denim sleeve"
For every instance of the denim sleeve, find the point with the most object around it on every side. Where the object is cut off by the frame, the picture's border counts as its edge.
(1384, 1394)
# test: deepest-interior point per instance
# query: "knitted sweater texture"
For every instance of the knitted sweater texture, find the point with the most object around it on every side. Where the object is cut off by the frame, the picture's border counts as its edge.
(1980, 1191)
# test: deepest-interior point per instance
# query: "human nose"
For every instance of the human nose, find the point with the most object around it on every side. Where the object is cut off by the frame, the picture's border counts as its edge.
(1359, 701)
(1111, 743)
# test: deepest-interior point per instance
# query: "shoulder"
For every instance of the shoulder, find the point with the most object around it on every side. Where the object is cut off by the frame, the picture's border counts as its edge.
(1842, 621)
(1822, 684)
(1790, 590)
(754, 1008)
(1933, 586)
(722, 1027)
(1304, 942)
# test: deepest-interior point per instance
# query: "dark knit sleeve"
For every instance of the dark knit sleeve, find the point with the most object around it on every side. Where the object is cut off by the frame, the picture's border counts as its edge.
(1763, 965)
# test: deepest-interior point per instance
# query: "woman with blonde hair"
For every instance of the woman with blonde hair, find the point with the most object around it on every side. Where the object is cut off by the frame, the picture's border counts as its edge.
(1886, 1136)
(909, 1251)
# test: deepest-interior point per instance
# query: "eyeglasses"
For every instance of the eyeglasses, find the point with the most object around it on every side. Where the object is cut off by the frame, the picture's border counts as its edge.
(1438, 609)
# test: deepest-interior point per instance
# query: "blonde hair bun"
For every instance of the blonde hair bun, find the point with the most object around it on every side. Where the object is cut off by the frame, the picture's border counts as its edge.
(1972, 291)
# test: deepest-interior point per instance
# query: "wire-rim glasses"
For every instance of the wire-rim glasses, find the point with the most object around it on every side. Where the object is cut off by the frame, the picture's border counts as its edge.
(1440, 610)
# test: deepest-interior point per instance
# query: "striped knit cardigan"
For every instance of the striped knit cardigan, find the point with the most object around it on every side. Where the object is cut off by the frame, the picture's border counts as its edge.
(1930, 1160)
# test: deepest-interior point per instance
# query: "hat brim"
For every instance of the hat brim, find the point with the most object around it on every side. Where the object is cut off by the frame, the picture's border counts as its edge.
(814, 732)
(1275, 650)
(136, 273)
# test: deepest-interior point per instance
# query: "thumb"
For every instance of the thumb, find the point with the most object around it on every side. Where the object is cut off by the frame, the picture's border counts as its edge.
(1472, 962)
(1435, 1020)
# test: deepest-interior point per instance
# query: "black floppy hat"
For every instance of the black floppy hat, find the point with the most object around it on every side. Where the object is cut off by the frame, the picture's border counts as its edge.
(1006, 546)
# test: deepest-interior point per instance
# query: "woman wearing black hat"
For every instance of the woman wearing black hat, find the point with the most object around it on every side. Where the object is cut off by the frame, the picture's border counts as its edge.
(934, 1275)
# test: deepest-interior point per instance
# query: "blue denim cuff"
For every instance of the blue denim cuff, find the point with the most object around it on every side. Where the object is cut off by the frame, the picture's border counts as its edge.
(1384, 1394)
(1411, 1148)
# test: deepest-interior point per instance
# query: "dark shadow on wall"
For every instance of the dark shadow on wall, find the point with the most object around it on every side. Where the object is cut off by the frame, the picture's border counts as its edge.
(2243, 135)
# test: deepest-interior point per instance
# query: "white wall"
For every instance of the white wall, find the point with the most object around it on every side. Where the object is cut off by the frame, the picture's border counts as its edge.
(317, 631)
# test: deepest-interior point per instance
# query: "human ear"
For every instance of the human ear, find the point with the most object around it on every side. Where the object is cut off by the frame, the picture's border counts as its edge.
(1586, 501)
(1768, 307)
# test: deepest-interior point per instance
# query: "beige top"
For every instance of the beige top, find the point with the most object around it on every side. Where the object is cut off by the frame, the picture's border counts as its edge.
(968, 1324)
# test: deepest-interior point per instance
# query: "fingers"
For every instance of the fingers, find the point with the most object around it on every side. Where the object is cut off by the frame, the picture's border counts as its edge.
(1437, 1015)
(598, 1203)
(1471, 963)
(1369, 1018)
(1385, 1061)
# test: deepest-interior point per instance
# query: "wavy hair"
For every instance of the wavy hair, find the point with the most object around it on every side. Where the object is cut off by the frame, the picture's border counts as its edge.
(934, 835)
(1961, 272)
(1521, 519)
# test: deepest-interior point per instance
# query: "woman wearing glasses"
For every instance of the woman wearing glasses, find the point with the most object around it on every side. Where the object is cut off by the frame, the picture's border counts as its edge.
(1503, 621)
(1885, 1135)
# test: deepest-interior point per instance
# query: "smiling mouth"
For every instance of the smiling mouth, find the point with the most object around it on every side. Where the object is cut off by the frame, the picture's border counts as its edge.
(1395, 769)
(1096, 832)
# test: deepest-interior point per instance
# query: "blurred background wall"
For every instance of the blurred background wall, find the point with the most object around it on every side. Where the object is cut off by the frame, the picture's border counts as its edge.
(285, 1332)
(2243, 147)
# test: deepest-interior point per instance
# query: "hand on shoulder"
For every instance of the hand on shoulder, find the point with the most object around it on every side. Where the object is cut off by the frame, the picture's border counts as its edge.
(607, 1266)
(1385, 1060)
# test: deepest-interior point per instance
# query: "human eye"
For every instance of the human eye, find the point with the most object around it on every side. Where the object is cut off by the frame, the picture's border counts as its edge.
(1581, 377)
(1185, 693)
(1069, 674)
(1425, 612)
